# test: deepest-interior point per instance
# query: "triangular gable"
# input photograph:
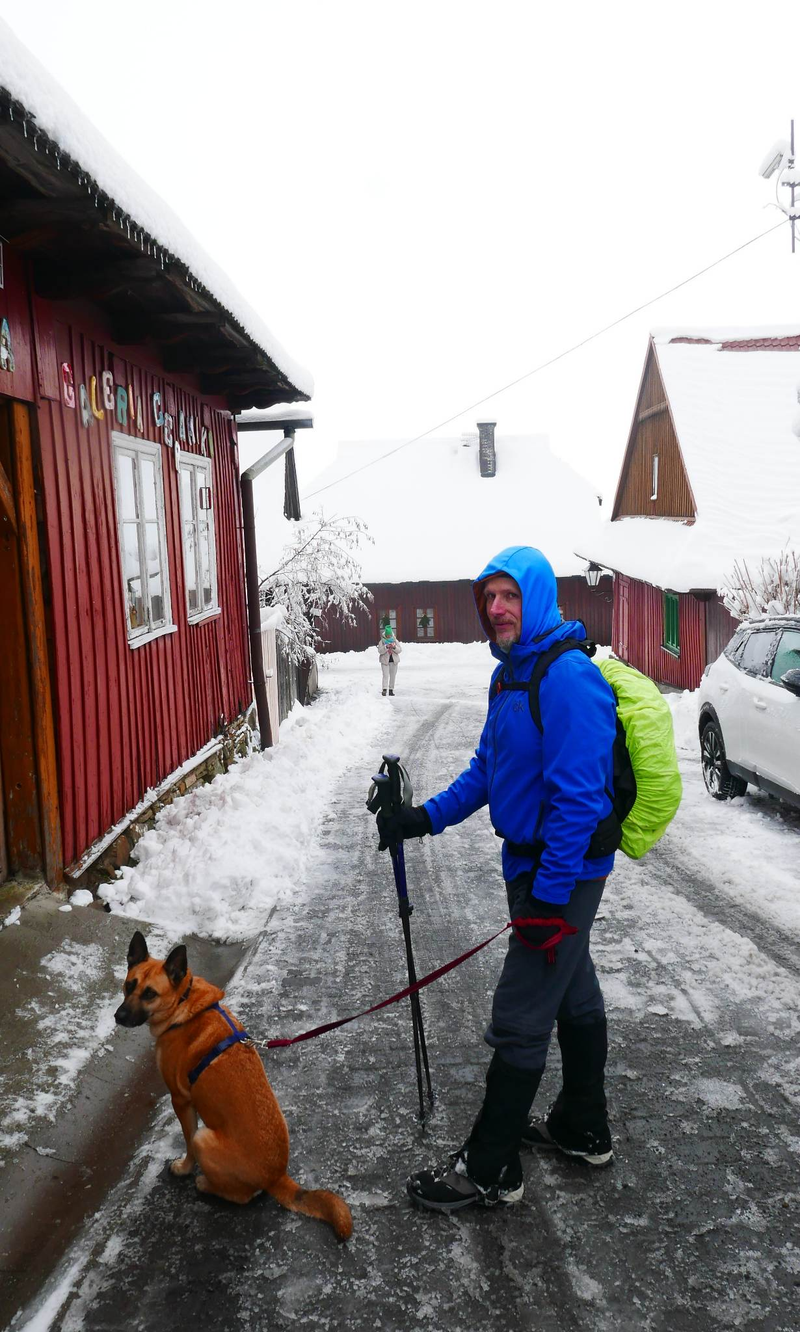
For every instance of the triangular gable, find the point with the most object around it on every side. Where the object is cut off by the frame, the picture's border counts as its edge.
(653, 435)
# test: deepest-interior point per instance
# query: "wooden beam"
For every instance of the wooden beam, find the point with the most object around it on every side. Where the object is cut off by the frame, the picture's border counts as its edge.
(19, 217)
(237, 381)
(7, 505)
(651, 411)
(36, 634)
(210, 358)
(67, 282)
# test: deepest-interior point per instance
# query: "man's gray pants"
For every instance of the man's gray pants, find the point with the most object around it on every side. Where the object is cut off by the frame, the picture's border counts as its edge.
(532, 994)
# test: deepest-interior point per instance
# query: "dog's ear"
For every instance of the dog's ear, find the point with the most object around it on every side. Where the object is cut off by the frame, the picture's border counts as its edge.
(177, 964)
(137, 950)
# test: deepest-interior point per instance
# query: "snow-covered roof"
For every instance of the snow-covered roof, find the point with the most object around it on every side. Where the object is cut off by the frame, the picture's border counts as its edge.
(433, 516)
(81, 145)
(733, 395)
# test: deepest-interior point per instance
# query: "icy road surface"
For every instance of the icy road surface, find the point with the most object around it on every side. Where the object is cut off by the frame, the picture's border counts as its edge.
(694, 1227)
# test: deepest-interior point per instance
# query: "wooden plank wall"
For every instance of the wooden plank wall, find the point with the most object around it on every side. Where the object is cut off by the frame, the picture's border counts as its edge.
(456, 619)
(126, 718)
(720, 628)
(644, 634)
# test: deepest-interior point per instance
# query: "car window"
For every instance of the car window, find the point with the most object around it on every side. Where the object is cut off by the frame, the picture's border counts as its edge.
(787, 658)
(732, 650)
(757, 652)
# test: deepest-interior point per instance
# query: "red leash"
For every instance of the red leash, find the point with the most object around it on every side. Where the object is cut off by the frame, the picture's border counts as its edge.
(563, 929)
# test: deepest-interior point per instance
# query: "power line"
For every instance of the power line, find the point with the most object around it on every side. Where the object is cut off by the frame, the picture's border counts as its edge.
(537, 369)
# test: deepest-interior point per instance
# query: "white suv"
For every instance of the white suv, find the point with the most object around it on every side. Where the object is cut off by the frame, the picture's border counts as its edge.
(750, 712)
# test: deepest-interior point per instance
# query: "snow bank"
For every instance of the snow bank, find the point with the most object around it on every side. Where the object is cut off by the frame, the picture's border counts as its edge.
(216, 861)
(685, 708)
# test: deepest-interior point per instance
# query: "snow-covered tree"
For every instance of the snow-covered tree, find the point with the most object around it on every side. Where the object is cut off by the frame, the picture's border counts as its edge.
(318, 574)
(773, 588)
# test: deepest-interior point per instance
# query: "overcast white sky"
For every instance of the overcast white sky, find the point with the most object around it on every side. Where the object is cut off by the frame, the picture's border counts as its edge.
(425, 200)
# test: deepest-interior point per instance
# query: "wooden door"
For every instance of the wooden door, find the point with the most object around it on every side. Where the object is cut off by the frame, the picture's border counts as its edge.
(29, 805)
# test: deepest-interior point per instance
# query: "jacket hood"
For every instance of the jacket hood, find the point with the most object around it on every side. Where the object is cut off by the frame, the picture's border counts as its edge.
(541, 616)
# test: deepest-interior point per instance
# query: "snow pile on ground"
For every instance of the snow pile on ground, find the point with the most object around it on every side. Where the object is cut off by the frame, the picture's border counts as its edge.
(684, 708)
(216, 861)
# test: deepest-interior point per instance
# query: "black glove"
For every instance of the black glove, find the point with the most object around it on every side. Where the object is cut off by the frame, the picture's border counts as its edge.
(409, 821)
(536, 908)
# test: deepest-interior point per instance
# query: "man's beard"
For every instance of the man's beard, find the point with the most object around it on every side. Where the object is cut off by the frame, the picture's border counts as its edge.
(506, 641)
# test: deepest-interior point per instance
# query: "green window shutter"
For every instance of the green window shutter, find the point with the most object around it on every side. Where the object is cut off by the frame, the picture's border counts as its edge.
(671, 639)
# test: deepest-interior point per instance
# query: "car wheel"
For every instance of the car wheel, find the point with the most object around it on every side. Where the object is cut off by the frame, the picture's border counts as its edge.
(720, 781)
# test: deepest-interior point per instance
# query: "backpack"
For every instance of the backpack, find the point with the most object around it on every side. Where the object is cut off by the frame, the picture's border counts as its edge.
(647, 783)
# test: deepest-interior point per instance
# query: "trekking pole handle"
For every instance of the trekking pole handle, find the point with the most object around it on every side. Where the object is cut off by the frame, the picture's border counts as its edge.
(383, 790)
(392, 762)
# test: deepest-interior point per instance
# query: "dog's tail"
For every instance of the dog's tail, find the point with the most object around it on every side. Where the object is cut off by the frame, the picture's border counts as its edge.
(321, 1203)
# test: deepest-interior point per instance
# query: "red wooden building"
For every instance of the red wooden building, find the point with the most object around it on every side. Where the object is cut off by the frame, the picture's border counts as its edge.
(710, 476)
(437, 511)
(123, 359)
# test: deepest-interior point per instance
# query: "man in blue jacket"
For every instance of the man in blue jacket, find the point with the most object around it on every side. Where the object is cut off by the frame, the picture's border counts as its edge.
(547, 793)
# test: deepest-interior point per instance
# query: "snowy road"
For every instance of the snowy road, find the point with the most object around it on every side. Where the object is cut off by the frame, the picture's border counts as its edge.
(694, 1227)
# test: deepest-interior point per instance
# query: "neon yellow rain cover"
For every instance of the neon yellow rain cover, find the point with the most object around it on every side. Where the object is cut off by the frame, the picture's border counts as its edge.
(646, 716)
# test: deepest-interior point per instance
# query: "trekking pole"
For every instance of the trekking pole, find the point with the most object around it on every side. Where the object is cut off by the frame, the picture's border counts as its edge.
(389, 798)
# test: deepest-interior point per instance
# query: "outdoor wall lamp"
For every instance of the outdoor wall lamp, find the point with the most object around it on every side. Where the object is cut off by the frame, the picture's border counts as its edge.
(593, 573)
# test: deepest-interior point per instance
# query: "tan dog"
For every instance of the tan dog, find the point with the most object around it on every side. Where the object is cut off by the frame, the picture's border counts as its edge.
(244, 1146)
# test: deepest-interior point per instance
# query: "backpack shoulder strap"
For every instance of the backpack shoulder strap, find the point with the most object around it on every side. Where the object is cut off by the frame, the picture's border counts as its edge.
(543, 664)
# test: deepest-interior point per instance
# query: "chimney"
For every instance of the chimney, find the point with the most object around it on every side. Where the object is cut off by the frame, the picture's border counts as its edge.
(486, 450)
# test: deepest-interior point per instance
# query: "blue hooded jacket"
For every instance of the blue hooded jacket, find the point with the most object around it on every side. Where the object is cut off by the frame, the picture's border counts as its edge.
(548, 787)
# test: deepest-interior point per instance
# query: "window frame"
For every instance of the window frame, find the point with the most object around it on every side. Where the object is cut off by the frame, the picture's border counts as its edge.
(197, 462)
(430, 630)
(136, 448)
(671, 621)
(769, 632)
(392, 613)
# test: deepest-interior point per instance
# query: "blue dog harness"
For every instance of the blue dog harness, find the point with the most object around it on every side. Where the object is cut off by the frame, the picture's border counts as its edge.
(238, 1034)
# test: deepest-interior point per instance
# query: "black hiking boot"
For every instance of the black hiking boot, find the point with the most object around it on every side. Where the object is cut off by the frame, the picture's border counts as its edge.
(383, 691)
(487, 1169)
(449, 1188)
(391, 693)
(577, 1124)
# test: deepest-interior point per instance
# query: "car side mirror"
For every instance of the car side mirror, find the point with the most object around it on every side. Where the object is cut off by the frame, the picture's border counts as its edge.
(791, 681)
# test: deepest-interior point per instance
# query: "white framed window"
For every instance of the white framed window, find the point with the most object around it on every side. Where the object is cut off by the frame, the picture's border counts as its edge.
(139, 489)
(425, 622)
(199, 547)
(654, 494)
(387, 619)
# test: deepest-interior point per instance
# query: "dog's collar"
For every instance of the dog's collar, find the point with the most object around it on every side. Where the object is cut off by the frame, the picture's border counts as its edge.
(182, 1000)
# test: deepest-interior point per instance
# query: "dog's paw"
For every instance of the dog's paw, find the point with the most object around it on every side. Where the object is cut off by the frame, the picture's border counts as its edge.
(182, 1166)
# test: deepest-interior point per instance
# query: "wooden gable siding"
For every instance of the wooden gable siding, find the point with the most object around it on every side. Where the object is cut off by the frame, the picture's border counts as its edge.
(128, 717)
(653, 434)
(455, 617)
(638, 633)
(720, 628)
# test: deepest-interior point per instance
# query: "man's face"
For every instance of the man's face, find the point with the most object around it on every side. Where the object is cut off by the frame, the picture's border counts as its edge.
(504, 609)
